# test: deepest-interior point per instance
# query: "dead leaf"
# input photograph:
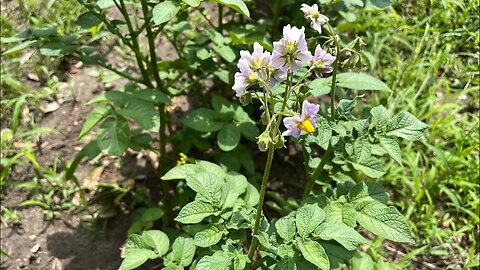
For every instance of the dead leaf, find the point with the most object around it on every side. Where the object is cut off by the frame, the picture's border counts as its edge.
(50, 107)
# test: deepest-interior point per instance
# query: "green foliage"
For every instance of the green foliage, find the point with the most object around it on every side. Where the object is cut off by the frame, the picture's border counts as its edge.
(229, 119)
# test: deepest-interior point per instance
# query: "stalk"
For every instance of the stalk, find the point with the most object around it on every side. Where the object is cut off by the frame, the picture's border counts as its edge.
(263, 189)
(161, 110)
(311, 178)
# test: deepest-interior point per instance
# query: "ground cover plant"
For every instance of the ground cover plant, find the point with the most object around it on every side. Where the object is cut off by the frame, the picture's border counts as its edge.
(386, 160)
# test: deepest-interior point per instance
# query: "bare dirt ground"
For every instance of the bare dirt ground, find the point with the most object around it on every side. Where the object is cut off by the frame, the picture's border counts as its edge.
(64, 242)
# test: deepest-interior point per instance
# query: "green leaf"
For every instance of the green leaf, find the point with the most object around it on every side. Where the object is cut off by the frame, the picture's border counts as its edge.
(362, 261)
(342, 212)
(392, 148)
(337, 254)
(209, 237)
(192, 3)
(360, 81)
(313, 252)
(237, 5)
(380, 117)
(114, 136)
(343, 234)
(44, 32)
(158, 240)
(407, 126)
(181, 172)
(95, 116)
(228, 137)
(183, 250)
(237, 182)
(212, 168)
(135, 257)
(251, 195)
(286, 228)
(222, 105)
(320, 86)
(20, 47)
(196, 211)
(207, 184)
(152, 95)
(203, 120)
(385, 222)
(362, 150)
(366, 192)
(371, 167)
(165, 11)
(220, 260)
(308, 217)
(225, 52)
(88, 20)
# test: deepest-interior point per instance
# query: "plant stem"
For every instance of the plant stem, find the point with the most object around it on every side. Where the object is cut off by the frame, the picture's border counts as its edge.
(133, 36)
(161, 111)
(263, 189)
(316, 173)
(220, 18)
(311, 178)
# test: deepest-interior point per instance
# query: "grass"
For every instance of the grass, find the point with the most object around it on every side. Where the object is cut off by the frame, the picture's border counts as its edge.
(427, 52)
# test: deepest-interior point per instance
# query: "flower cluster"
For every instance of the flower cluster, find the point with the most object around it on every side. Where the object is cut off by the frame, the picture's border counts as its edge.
(289, 54)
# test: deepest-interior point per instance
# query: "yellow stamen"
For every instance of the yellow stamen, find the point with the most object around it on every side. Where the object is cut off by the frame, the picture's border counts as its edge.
(306, 125)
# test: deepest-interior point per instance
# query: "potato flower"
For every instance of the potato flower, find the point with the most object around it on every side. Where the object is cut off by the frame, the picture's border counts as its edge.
(316, 18)
(252, 68)
(305, 122)
(321, 62)
(291, 50)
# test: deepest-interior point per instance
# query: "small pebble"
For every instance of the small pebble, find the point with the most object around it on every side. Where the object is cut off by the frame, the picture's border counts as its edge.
(32, 237)
(35, 248)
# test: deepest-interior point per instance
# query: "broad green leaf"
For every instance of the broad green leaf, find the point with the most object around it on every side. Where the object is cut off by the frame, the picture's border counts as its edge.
(320, 86)
(343, 234)
(362, 261)
(208, 237)
(211, 168)
(286, 228)
(380, 117)
(114, 136)
(135, 257)
(141, 111)
(406, 126)
(196, 211)
(157, 240)
(251, 195)
(313, 252)
(20, 47)
(342, 212)
(181, 172)
(225, 52)
(95, 116)
(165, 11)
(183, 250)
(44, 32)
(371, 167)
(237, 182)
(88, 20)
(222, 105)
(392, 148)
(324, 132)
(207, 184)
(57, 49)
(220, 260)
(360, 81)
(228, 137)
(308, 217)
(362, 150)
(152, 95)
(377, 4)
(192, 3)
(237, 5)
(385, 222)
(366, 192)
(203, 120)
(337, 254)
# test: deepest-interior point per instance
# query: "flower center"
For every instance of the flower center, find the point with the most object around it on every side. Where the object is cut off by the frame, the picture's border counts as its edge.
(306, 125)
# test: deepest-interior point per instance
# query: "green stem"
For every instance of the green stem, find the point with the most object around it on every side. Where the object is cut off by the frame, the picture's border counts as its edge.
(161, 111)
(121, 73)
(311, 178)
(316, 173)
(134, 38)
(263, 189)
